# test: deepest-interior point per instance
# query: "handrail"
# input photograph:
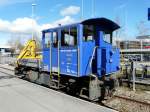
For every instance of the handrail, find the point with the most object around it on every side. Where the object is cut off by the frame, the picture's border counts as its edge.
(94, 50)
(78, 61)
(50, 60)
(58, 60)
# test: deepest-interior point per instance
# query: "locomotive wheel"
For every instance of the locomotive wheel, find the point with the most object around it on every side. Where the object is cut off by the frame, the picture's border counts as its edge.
(84, 93)
(32, 75)
(111, 88)
(106, 93)
(18, 72)
(71, 89)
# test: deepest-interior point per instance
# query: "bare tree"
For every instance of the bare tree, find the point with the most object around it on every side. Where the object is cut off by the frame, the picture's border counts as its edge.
(18, 41)
(15, 43)
(121, 32)
(38, 41)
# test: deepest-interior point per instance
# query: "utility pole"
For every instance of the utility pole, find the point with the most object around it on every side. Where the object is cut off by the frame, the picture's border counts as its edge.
(141, 42)
(33, 8)
(93, 8)
(82, 8)
(133, 74)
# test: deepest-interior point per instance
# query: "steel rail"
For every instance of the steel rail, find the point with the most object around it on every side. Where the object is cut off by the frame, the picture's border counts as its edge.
(132, 100)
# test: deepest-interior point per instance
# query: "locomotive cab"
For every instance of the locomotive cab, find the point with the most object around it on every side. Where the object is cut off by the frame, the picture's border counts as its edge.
(72, 54)
(81, 49)
(98, 47)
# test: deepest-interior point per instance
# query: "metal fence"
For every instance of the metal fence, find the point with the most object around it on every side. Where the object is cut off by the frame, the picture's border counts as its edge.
(7, 59)
(142, 70)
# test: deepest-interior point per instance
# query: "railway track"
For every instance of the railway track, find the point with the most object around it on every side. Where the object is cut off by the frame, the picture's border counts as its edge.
(132, 100)
(127, 104)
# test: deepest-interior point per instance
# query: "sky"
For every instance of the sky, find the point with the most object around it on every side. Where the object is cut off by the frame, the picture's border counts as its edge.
(16, 15)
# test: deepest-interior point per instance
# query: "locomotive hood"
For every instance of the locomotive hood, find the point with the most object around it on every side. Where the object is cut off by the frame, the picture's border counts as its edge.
(103, 22)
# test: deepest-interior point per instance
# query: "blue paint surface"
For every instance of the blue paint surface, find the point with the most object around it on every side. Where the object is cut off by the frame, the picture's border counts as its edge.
(106, 59)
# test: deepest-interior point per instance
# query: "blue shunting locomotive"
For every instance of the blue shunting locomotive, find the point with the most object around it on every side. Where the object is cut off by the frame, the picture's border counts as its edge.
(80, 58)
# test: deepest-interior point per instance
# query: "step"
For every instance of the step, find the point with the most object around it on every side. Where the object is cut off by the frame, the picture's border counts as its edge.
(58, 87)
(54, 80)
(55, 74)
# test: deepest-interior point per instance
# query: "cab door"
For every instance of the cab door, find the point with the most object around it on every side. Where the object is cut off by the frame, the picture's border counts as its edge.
(88, 47)
(46, 45)
(69, 51)
(54, 51)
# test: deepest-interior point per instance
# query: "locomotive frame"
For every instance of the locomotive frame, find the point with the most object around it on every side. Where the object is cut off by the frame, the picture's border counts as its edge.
(77, 59)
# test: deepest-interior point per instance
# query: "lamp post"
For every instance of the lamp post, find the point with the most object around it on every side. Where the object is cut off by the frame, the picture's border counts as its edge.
(82, 8)
(141, 49)
(93, 8)
(33, 8)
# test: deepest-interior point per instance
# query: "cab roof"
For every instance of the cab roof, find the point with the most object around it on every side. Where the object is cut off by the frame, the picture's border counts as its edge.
(104, 23)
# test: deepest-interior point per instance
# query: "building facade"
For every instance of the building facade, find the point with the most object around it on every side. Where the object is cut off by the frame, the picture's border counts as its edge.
(138, 49)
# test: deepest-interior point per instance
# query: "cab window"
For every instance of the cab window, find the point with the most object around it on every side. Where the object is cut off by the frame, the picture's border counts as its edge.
(115, 36)
(55, 39)
(107, 37)
(88, 32)
(69, 36)
(47, 39)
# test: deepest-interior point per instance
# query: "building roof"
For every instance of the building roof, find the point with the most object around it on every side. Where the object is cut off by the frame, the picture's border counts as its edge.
(5, 46)
(143, 37)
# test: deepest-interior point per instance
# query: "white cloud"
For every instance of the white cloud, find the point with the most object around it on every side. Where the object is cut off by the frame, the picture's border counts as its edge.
(4, 25)
(63, 21)
(27, 25)
(71, 10)
(23, 25)
(20, 25)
